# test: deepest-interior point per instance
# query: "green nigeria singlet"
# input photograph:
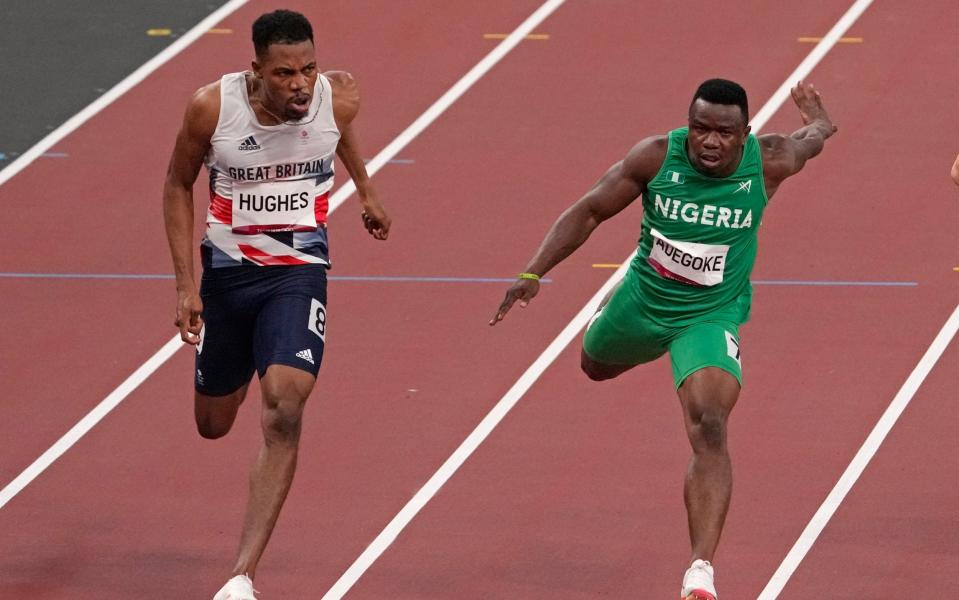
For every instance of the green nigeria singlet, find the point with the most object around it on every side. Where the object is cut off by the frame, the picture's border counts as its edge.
(698, 242)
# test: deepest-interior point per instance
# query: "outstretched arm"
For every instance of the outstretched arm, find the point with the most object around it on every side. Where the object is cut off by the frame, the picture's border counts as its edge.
(784, 156)
(615, 190)
(192, 143)
(955, 171)
(346, 104)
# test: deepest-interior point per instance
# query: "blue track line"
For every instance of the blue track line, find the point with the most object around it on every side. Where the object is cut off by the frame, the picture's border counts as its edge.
(386, 278)
(836, 283)
(416, 279)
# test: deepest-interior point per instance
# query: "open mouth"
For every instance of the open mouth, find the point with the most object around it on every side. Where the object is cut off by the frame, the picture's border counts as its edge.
(709, 160)
(300, 104)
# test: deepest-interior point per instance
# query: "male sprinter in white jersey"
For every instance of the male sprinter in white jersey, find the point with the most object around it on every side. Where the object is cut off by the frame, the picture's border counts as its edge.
(268, 139)
(704, 188)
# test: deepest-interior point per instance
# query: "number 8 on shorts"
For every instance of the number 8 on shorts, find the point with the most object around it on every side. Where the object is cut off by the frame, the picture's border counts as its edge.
(317, 319)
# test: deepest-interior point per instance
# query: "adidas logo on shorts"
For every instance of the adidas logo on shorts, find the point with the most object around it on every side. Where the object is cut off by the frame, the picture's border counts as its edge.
(306, 355)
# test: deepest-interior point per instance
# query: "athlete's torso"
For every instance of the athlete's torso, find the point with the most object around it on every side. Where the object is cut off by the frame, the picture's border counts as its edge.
(698, 242)
(269, 184)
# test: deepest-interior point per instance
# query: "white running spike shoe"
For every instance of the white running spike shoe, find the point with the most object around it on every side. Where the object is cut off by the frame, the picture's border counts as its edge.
(238, 588)
(698, 582)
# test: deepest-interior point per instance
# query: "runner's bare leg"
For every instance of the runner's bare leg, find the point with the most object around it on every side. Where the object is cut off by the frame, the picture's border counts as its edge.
(707, 397)
(285, 390)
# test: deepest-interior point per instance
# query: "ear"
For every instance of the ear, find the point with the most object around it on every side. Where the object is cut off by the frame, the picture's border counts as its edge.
(257, 69)
(746, 133)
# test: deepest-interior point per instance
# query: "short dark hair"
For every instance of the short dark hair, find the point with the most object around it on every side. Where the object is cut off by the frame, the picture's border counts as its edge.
(280, 27)
(723, 91)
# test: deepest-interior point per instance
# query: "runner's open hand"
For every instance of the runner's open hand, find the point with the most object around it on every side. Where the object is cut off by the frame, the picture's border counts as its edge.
(523, 290)
(188, 319)
(809, 101)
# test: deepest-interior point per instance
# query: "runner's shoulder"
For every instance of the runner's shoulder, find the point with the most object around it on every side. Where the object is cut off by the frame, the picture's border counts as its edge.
(342, 81)
(644, 160)
(206, 97)
(203, 109)
(346, 95)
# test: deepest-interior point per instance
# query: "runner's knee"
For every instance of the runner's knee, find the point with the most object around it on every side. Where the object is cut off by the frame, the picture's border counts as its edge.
(595, 371)
(215, 415)
(708, 396)
(283, 403)
(210, 429)
(282, 418)
(708, 431)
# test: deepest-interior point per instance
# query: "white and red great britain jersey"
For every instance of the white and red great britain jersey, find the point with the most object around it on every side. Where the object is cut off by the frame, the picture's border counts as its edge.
(269, 184)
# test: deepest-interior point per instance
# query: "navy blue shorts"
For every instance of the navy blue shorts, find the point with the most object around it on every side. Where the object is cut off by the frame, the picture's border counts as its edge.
(254, 317)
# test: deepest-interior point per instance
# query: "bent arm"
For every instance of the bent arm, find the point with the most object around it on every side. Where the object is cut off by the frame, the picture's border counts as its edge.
(346, 105)
(955, 171)
(784, 156)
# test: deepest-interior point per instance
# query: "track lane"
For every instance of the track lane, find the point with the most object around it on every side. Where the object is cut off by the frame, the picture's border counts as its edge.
(505, 501)
(101, 207)
(343, 507)
(896, 198)
(894, 535)
(109, 561)
(445, 546)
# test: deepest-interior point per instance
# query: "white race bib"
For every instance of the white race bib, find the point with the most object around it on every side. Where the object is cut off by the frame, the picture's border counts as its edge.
(688, 262)
(273, 206)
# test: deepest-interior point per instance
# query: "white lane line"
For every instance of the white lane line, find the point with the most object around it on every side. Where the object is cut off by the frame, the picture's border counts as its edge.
(168, 349)
(118, 90)
(470, 444)
(386, 537)
(55, 136)
(506, 403)
(861, 460)
(806, 66)
(451, 96)
(86, 423)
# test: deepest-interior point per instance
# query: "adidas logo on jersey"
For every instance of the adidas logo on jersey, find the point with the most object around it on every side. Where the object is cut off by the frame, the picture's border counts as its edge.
(248, 145)
(306, 355)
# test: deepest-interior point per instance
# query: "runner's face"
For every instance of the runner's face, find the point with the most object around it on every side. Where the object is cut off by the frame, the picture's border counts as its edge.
(289, 74)
(717, 134)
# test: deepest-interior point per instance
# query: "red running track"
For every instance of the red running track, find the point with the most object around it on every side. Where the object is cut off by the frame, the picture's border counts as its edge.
(578, 493)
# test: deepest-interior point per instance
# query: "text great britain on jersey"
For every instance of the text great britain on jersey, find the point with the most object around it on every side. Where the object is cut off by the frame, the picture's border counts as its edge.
(313, 167)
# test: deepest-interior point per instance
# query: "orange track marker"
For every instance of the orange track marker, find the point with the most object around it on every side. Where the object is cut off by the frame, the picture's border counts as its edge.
(502, 36)
(845, 40)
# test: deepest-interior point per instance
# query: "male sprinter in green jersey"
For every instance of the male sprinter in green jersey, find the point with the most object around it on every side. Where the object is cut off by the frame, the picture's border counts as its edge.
(704, 189)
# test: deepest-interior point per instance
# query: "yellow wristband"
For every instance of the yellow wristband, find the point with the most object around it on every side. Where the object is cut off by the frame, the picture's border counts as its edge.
(532, 276)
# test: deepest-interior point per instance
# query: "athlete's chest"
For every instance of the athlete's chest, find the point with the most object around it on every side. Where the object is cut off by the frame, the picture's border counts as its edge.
(252, 154)
(684, 202)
